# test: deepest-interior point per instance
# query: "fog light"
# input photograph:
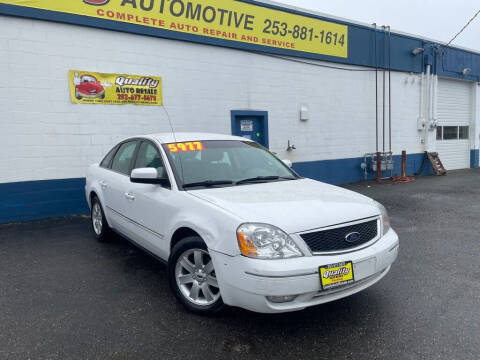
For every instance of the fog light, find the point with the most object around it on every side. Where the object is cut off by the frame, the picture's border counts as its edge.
(281, 299)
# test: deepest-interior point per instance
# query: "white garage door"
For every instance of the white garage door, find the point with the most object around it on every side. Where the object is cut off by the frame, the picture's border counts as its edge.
(454, 117)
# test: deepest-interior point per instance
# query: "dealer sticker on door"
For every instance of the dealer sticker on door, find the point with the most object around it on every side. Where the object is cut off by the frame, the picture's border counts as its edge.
(336, 275)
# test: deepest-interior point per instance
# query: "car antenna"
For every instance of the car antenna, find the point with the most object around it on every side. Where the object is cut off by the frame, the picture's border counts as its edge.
(170, 122)
(174, 137)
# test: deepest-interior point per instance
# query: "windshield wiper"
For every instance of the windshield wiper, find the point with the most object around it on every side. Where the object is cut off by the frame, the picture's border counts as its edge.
(208, 183)
(263, 178)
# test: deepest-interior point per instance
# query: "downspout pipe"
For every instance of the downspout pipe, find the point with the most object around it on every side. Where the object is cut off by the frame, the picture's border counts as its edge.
(421, 119)
(384, 84)
(434, 102)
(376, 86)
(389, 90)
(427, 105)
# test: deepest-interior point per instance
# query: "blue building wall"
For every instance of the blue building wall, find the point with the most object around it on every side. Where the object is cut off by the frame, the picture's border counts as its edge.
(34, 200)
(474, 158)
(343, 171)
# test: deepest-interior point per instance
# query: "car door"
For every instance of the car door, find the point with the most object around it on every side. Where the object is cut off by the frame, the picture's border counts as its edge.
(117, 183)
(150, 205)
(104, 176)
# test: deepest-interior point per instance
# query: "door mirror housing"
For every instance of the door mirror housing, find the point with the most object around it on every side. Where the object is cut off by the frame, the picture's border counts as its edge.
(287, 162)
(150, 176)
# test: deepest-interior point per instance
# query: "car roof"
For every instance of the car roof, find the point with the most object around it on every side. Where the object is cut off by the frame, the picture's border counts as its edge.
(166, 138)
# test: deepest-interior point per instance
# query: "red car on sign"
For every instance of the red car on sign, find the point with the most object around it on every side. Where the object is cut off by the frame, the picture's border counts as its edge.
(89, 88)
(96, 2)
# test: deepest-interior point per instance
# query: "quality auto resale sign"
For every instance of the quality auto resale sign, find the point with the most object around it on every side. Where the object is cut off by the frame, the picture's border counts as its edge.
(233, 21)
(88, 87)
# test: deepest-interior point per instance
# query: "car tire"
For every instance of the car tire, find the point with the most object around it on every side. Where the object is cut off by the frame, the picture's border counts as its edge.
(100, 227)
(102, 96)
(192, 277)
(77, 95)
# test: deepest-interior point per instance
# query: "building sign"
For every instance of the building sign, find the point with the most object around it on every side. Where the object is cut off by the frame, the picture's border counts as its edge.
(87, 87)
(229, 20)
(246, 125)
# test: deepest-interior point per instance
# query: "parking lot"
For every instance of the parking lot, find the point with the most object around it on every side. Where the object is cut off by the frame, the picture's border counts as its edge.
(65, 296)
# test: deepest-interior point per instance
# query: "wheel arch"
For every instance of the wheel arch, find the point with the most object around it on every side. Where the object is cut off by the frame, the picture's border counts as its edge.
(182, 233)
(92, 194)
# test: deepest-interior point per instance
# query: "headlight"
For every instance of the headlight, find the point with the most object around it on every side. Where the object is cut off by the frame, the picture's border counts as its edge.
(385, 218)
(262, 241)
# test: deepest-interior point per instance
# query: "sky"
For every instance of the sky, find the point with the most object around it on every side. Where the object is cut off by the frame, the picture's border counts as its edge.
(434, 19)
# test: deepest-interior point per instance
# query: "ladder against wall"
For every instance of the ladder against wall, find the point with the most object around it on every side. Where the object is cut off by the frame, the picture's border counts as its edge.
(438, 168)
(437, 165)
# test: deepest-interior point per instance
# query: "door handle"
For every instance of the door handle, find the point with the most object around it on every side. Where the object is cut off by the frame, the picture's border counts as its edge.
(103, 184)
(129, 196)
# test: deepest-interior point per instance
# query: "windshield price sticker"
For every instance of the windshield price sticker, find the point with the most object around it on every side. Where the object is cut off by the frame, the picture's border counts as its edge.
(335, 275)
(186, 146)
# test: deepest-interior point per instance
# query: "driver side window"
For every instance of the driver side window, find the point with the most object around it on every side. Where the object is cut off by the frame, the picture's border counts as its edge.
(149, 157)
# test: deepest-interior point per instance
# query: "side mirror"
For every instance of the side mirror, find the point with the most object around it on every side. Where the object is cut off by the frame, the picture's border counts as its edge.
(150, 176)
(287, 162)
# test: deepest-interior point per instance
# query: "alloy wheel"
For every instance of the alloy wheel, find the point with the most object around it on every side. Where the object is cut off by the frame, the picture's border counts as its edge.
(97, 218)
(195, 277)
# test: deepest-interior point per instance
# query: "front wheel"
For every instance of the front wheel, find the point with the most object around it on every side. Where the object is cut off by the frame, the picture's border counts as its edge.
(192, 276)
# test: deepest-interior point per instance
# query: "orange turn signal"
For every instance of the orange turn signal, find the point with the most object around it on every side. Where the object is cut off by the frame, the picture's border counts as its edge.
(246, 246)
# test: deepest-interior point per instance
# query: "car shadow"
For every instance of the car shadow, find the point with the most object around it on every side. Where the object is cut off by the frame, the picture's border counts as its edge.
(330, 317)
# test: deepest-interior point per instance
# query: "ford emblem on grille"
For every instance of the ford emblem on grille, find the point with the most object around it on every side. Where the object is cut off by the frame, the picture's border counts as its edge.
(352, 237)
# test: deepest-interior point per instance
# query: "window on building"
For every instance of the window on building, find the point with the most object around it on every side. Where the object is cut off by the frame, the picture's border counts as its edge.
(439, 132)
(450, 132)
(123, 158)
(463, 132)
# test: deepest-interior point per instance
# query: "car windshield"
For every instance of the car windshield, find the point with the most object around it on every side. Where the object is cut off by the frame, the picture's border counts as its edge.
(88, 78)
(225, 163)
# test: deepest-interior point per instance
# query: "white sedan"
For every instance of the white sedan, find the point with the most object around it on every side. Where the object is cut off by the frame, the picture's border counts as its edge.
(236, 225)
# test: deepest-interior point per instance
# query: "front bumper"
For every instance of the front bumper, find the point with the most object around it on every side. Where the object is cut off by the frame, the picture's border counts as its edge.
(91, 96)
(246, 282)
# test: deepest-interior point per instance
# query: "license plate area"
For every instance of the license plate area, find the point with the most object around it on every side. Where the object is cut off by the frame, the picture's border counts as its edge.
(336, 275)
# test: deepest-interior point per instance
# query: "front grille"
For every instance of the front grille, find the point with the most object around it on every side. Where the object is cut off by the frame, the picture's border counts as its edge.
(335, 239)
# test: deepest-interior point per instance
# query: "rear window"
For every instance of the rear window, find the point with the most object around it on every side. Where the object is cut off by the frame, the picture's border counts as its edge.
(123, 158)
(108, 159)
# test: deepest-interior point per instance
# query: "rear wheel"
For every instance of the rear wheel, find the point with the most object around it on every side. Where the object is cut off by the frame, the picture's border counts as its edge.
(100, 226)
(192, 276)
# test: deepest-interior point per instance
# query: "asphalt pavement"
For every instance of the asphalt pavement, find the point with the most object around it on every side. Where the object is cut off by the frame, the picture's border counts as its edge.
(65, 296)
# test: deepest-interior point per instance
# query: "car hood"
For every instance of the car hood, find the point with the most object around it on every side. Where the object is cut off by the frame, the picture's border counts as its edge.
(293, 206)
(90, 87)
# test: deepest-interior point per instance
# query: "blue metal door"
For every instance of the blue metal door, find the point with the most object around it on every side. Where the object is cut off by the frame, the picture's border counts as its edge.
(252, 125)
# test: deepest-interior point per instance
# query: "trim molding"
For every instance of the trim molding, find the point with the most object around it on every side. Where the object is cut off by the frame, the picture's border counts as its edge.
(160, 236)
